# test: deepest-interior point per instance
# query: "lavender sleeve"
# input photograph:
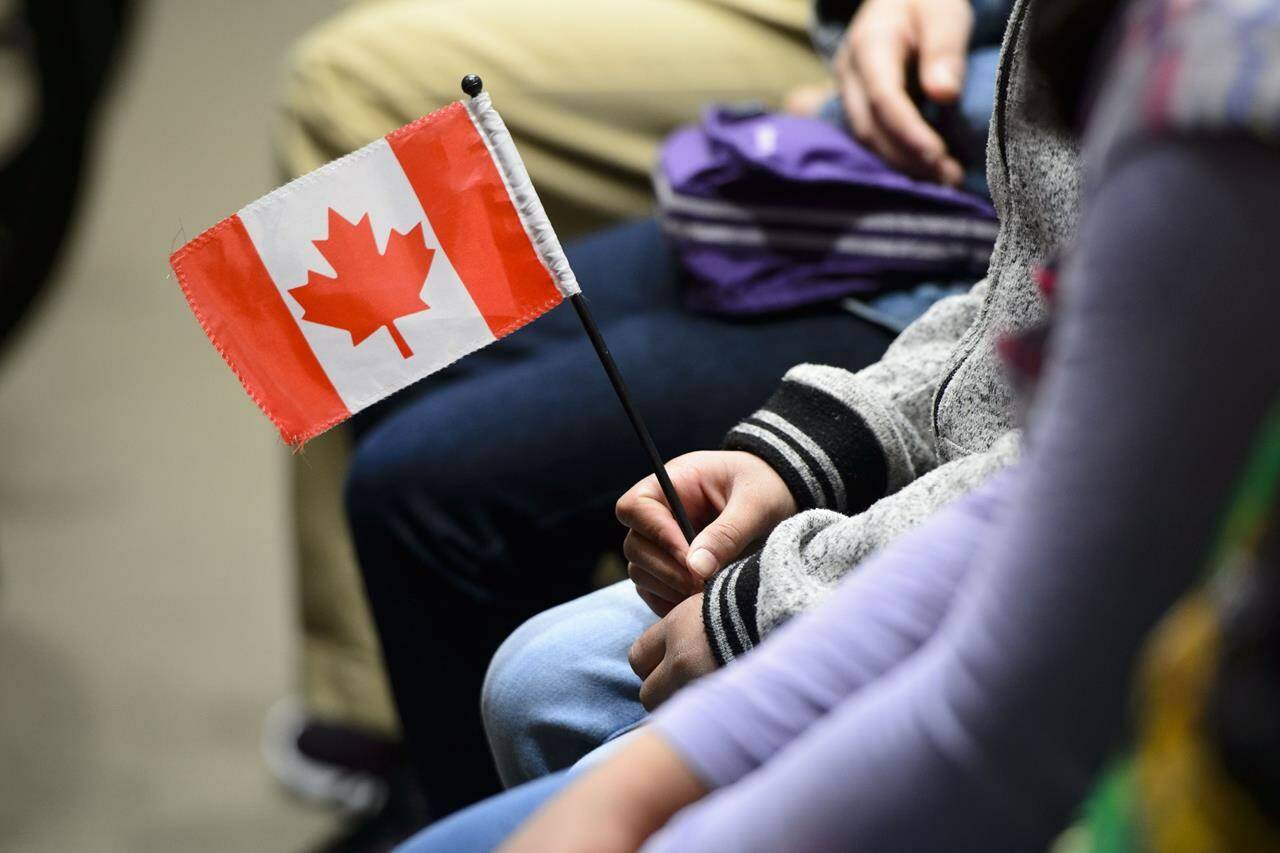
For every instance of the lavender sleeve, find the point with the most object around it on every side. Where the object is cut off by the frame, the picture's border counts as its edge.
(876, 619)
(848, 732)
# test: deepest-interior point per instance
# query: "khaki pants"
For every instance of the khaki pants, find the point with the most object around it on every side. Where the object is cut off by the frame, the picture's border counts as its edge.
(588, 88)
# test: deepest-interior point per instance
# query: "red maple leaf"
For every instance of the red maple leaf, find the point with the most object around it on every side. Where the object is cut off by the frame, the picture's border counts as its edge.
(369, 289)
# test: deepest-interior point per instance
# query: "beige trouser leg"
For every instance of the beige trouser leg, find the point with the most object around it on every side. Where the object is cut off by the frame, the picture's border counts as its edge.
(341, 664)
(589, 88)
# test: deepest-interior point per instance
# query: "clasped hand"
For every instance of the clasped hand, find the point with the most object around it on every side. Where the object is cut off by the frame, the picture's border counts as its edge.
(735, 499)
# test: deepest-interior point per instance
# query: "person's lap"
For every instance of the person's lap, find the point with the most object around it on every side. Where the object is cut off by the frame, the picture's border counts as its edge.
(486, 495)
(939, 555)
(587, 100)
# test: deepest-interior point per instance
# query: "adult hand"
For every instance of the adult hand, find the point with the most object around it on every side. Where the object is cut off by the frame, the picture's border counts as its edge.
(807, 99)
(734, 497)
(672, 653)
(885, 40)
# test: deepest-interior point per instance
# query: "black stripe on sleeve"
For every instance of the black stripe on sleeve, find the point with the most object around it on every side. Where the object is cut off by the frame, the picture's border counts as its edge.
(841, 433)
(745, 593)
(796, 483)
(815, 468)
(727, 605)
(714, 630)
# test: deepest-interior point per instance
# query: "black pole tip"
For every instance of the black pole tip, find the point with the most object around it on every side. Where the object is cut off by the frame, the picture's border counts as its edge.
(472, 85)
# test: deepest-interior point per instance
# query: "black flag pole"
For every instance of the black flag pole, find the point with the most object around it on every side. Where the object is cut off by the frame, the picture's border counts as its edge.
(472, 86)
(633, 414)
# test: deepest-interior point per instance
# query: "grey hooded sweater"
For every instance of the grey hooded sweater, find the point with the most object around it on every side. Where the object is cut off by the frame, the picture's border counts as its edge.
(871, 454)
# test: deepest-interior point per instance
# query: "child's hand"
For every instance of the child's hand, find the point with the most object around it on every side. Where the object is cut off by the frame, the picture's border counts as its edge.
(672, 653)
(735, 497)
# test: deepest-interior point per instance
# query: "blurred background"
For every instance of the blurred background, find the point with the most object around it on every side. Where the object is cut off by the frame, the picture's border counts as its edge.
(145, 593)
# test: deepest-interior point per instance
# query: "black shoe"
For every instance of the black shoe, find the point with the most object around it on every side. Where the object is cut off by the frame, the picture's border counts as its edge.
(328, 764)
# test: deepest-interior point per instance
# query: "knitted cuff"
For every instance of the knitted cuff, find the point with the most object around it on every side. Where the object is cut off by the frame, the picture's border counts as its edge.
(729, 609)
(823, 449)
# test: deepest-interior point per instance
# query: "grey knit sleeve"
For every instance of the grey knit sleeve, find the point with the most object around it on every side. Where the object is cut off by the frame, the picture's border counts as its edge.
(846, 443)
(807, 556)
(842, 440)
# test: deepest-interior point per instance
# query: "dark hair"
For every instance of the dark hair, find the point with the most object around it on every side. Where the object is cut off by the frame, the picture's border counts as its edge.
(1064, 41)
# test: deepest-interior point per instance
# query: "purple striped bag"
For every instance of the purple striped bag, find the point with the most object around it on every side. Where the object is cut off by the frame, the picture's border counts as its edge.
(769, 212)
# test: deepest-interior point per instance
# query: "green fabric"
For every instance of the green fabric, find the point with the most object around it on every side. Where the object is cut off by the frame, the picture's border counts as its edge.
(1257, 498)
(1109, 811)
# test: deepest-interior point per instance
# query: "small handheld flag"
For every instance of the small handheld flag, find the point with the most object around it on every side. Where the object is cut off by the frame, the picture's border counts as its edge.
(383, 267)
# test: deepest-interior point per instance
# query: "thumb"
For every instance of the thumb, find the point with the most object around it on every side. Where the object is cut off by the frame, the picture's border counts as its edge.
(721, 541)
(944, 37)
(644, 510)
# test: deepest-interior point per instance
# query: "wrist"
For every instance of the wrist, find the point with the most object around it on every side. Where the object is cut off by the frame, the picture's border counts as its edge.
(777, 503)
(615, 806)
(818, 443)
(648, 782)
(729, 610)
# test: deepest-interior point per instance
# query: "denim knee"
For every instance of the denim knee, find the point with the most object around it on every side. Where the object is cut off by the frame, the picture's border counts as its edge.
(560, 685)
(518, 687)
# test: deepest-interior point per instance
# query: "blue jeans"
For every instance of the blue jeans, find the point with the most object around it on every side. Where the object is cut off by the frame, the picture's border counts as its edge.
(560, 686)
(485, 494)
(487, 824)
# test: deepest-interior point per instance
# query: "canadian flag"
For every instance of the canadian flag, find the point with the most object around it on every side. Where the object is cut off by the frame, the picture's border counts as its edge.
(380, 268)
